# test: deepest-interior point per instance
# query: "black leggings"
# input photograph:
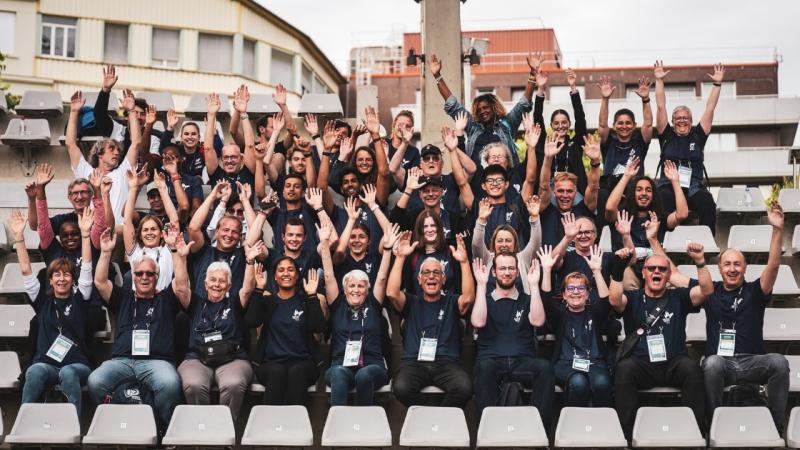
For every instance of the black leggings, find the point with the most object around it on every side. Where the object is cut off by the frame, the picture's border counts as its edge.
(287, 382)
(702, 202)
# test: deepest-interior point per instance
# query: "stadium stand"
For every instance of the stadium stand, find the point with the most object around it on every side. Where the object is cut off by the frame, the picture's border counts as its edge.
(356, 426)
(270, 425)
(431, 426)
(122, 425)
(511, 426)
(744, 426)
(666, 427)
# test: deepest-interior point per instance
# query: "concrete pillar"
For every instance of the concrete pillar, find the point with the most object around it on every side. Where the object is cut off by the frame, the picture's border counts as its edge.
(188, 56)
(366, 96)
(238, 51)
(263, 61)
(441, 35)
(90, 37)
(140, 41)
(297, 75)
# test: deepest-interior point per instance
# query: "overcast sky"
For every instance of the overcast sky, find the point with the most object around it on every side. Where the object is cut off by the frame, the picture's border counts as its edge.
(590, 33)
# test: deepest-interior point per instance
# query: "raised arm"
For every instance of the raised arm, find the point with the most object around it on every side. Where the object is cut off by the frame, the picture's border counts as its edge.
(402, 249)
(596, 266)
(435, 65)
(623, 227)
(661, 97)
(16, 224)
(85, 223)
(533, 132)
(536, 315)
(368, 197)
(396, 168)
(535, 241)
(547, 260)
(616, 296)
(171, 167)
(390, 236)
(606, 91)
(373, 126)
(108, 240)
(135, 182)
(681, 212)
(534, 61)
(324, 250)
(245, 196)
(252, 253)
(479, 249)
(71, 139)
(107, 220)
(705, 287)
(43, 176)
(460, 176)
(643, 91)
(551, 148)
(467, 297)
(708, 115)
(353, 213)
(133, 128)
(770, 273)
(179, 250)
(33, 217)
(570, 232)
(240, 101)
(212, 108)
(591, 149)
(577, 105)
(615, 197)
(195, 227)
(479, 310)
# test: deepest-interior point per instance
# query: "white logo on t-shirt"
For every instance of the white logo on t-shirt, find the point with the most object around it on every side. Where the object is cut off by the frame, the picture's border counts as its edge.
(297, 315)
(518, 316)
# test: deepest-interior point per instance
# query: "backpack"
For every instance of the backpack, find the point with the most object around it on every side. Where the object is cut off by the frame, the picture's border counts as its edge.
(511, 394)
(747, 394)
(131, 393)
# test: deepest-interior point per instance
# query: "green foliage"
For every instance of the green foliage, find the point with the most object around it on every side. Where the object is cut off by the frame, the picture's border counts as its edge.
(786, 183)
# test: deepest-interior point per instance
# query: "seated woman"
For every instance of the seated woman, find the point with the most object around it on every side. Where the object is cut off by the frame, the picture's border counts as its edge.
(286, 357)
(216, 353)
(429, 242)
(579, 355)
(61, 356)
(355, 312)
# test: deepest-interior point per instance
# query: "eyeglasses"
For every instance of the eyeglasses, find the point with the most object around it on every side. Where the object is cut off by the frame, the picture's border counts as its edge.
(147, 273)
(575, 288)
(494, 181)
(662, 269)
(79, 193)
(428, 273)
(428, 158)
(586, 233)
(230, 158)
(682, 119)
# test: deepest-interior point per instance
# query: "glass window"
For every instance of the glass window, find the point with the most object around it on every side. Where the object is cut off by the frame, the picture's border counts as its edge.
(308, 78)
(516, 94)
(728, 89)
(166, 47)
(319, 86)
(116, 43)
(249, 58)
(8, 21)
(58, 36)
(281, 69)
(678, 91)
(215, 53)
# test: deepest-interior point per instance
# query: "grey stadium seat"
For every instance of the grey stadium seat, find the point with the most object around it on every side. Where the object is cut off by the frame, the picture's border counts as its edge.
(9, 370)
(431, 426)
(45, 423)
(794, 372)
(793, 429)
(796, 240)
(690, 271)
(743, 426)
(162, 100)
(278, 426)
(27, 133)
(785, 284)
(320, 104)
(12, 282)
(201, 425)
(196, 109)
(696, 327)
(589, 427)
(261, 104)
(737, 201)
(782, 324)
(790, 200)
(666, 427)
(356, 426)
(675, 241)
(15, 320)
(750, 238)
(40, 104)
(122, 425)
(113, 103)
(511, 426)
(605, 239)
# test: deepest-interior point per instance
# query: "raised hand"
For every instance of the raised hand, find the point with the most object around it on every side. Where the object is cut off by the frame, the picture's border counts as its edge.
(269, 203)
(632, 167)
(695, 251)
(352, 209)
(76, 102)
(527, 121)
(403, 247)
(171, 235)
(658, 70)
(719, 73)
(279, 96)
(106, 184)
(219, 189)
(572, 78)
(406, 134)
(240, 99)
(532, 136)
(311, 124)
(314, 197)
(170, 165)
(390, 235)
(44, 174)
(591, 147)
(128, 100)
(435, 65)
(671, 171)
(533, 273)
(150, 116)
(625, 254)
(183, 247)
(132, 179)
(245, 192)
(278, 122)
(346, 147)
(109, 77)
(251, 252)
(261, 276)
(775, 215)
(358, 130)
(96, 180)
(570, 225)
(596, 259)
(86, 220)
(213, 103)
(459, 253)
(368, 197)
(651, 226)
(606, 88)
(371, 121)
(30, 190)
(16, 223)
(412, 182)
(541, 79)
(623, 223)
(225, 192)
(547, 257)
(484, 209)
(329, 135)
(311, 282)
(551, 145)
(462, 119)
(324, 232)
(534, 205)
(108, 240)
(534, 61)
(643, 90)
(481, 271)
(159, 180)
(449, 138)
(172, 119)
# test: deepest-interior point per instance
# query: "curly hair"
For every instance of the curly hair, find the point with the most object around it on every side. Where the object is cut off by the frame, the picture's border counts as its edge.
(497, 106)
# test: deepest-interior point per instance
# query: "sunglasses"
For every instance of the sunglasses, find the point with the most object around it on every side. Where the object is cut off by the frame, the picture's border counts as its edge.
(142, 273)
(427, 158)
(661, 269)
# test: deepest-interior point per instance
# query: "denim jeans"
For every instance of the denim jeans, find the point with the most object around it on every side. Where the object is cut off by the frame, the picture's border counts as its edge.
(771, 369)
(537, 373)
(40, 376)
(366, 379)
(157, 375)
(580, 387)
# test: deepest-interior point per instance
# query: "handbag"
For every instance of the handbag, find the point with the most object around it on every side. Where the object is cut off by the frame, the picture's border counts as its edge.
(217, 353)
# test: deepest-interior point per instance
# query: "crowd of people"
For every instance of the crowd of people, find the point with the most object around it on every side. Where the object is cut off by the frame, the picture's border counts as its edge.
(504, 245)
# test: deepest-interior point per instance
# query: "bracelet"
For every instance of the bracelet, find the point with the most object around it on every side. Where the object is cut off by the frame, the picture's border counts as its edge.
(244, 116)
(19, 241)
(387, 248)
(646, 100)
(176, 178)
(407, 193)
(374, 207)
(318, 210)
(173, 250)
(594, 165)
(249, 263)
(315, 136)
(717, 84)
(701, 265)
(329, 154)
(83, 236)
(438, 79)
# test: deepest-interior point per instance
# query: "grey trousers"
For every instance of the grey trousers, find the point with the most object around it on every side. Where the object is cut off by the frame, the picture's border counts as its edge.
(771, 369)
(233, 380)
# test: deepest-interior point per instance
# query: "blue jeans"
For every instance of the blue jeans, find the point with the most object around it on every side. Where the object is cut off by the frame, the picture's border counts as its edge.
(537, 373)
(157, 375)
(365, 379)
(580, 387)
(40, 376)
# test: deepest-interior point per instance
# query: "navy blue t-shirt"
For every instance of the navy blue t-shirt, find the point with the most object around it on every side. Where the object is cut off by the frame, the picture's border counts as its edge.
(516, 178)
(410, 157)
(192, 186)
(279, 217)
(638, 232)
(369, 264)
(58, 219)
(512, 212)
(156, 314)
(552, 229)
(508, 331)
(684, 150)
(741, 309)
(616, 155)
(672, 323)
(244, 176)
(450, 196)
(209, 317)
(68, 315)
(356, 324)
(199, 262)
(367, 218)
(286, 331)
(437, 320)
(573, 262)
(580, 338)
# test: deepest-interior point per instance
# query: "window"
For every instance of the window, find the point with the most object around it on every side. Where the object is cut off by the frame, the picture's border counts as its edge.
(561, 93)
(307, 80)
(281, 68)
(7, 28)
(721, 142)
(249, 58)
(516, 94)
(484, 90)
(58, 36)
(319, 86)
(679, 90)
(166, 47)
(116, 43)
(728, 89)
(215, 53)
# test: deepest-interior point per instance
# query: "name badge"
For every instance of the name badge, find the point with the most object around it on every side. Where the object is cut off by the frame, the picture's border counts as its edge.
(427, 349)
(656, 348)
(727, 343)
(619, 170)
(58, 351)
(140, 345)
(352, 353)
(580, 364)
(685, 176)
(212, 336)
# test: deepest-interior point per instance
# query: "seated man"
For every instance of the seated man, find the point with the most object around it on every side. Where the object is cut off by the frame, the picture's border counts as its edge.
(507, 336)
(432, 334)
(654, 352)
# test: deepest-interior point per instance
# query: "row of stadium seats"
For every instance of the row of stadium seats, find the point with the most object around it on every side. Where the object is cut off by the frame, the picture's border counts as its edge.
(424, 426)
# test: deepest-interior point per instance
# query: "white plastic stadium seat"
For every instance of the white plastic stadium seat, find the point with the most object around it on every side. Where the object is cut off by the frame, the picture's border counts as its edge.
(278, 426)
(696, 327)
(201, 425)
(356, 426)
(675, 241)
(785, 284)
(261, 104)
(513, 426)
(40, 104)
(743, 426)
(750, 238)
(9, 370)
(46, 423)
(605, 239)
(122, 425)
(793, 429)
(196, 109)
(789, 200)
(794, 372)
(432, 426)
(12, 282)
(740, 200)
(666, 427)
(15, 320)
(27, 133)
(589, 427)
(91, 99)
(782, 324)
(162, 100)
(690, 270)
(320, 104)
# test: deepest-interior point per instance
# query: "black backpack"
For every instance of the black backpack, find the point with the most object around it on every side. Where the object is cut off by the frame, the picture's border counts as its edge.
(511, 394)
(747, 394)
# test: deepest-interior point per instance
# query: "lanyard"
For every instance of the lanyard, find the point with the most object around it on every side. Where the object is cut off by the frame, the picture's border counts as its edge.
(136, 309)
(577, 339)
(352, 315)
(443, 310)
(734, 307)
(203, 320)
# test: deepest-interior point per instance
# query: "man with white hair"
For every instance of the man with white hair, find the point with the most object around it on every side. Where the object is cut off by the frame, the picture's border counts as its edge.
(432, 334)
(144, 348)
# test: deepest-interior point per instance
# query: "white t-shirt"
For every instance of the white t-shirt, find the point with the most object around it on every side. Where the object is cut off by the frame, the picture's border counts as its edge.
(163, 258)
(119, 190)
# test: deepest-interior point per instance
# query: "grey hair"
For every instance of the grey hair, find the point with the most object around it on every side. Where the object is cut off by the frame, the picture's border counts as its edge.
(77, 181)
(357, 275)
(99, 148)
(219, 266)
(431, 259)
(491, 145)
(682, 108)
(144, 258)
